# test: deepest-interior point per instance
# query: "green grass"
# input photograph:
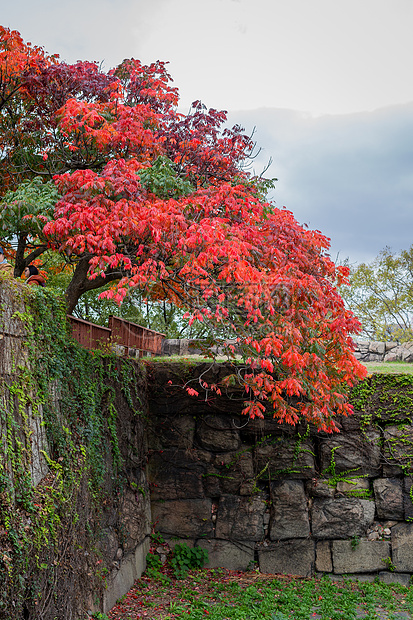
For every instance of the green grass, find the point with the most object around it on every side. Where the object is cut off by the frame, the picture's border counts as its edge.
(389, 368)
(226, 595)
(372, 367)
(189, 359)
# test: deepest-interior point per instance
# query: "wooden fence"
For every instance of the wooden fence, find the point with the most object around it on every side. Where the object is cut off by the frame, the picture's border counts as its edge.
(119, 332)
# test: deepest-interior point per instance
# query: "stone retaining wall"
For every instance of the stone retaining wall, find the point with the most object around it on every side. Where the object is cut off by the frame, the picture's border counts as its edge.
(372, 351)
(365, 351)
(251, 492)
(292, 501)
(120, 524)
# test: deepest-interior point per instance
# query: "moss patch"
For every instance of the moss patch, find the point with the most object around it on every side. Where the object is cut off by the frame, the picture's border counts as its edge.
(386, 398)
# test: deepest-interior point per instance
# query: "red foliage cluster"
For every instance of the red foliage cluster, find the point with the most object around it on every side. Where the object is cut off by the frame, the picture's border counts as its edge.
(200, 148)
(17, 59)
(258, 277)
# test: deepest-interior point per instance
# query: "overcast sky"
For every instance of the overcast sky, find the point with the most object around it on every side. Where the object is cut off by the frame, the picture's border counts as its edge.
(326, 83)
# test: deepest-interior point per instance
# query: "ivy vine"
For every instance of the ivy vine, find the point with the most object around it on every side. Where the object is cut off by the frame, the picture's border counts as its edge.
(63, 398)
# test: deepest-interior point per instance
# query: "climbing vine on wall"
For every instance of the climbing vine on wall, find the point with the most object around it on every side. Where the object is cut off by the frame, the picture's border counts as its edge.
(389, 397)
(386, 403)
(58, 415)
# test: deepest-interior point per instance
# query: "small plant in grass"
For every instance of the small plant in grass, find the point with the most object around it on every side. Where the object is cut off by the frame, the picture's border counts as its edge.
(157, 537)
(153, 566)
(185, 558)
(253, 565)
(222, 595)
(122, 599)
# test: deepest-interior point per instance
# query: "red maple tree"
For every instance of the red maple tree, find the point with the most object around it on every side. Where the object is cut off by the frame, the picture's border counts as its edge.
(155, 199)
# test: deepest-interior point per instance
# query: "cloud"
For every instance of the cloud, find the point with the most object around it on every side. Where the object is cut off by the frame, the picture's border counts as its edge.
(321, 56)
(350, 176)
(96, 30)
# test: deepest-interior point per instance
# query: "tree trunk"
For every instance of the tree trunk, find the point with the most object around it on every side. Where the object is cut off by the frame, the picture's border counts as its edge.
(21, 262)
(80, 283)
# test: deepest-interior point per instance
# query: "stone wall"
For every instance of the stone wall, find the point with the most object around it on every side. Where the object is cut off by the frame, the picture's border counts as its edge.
(68, 544)
(292, 501)
(365, 351)
(251, 492)
(373, 351)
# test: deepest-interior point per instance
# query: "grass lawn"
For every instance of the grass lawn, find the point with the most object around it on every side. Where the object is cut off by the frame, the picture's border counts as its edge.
(389, 368)
(372, 367)
(219, 594)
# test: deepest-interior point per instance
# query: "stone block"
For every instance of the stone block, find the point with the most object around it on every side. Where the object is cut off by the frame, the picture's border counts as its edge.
(377, 347)
(289, 513)
(288, 557)
(175, 474)
(121, 580)
(407, 352)
(351, 485)
(390, 345)
(232, 472)
(171, 346)
(317, 487)
(172, 542)
(365, 557)
(189, 518)
(403, 579)
(171, 432)
(12, 308)
(184, 346)
(226, 554)
(398, 449)
(38, 444)
(323, 562)
(351, 423)
(240, 518)
(388, 494)
(362, 577)
(334, 578)
(135, 517)
(13, 354)
(217, 433)
(355, 452)
(256, 430)
(286, 455)
(211, 482)
(402, 546)
(342, 517)
(408, 497)
(391, 356)
(108, 544)
(367, 356)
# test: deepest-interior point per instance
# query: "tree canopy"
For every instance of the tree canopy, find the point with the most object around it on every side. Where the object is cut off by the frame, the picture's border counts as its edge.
(135, 194)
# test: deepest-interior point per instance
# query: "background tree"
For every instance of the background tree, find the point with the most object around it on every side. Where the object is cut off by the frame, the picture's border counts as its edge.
(381, 294)
(23, 215)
